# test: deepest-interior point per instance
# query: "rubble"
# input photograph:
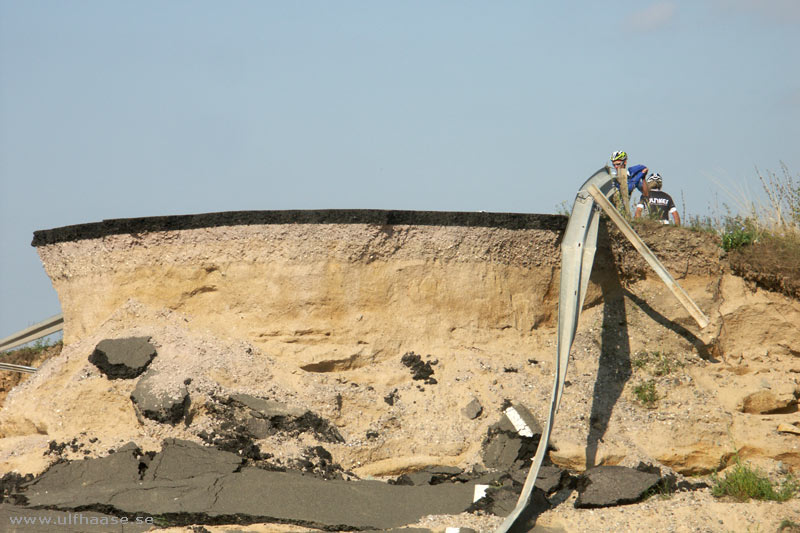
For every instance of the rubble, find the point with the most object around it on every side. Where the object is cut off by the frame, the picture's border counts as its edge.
(123, 358)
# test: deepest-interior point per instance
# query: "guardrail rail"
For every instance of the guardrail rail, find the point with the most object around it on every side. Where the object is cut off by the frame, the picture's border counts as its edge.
(44, 328)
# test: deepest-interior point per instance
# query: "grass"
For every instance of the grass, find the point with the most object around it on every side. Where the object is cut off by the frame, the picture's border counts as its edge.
(791, 525)
(750, 219)
(745, 483)
(657, 363)
(762, 238)
(564, 208)
(35, 347)
(646, 394)
(663, 490)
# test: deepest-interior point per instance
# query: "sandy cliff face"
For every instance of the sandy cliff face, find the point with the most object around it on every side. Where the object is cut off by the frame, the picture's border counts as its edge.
(318, 291)
(319, 314)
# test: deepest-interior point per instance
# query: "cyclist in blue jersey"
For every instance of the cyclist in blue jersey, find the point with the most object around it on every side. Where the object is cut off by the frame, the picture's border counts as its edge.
(636, 174)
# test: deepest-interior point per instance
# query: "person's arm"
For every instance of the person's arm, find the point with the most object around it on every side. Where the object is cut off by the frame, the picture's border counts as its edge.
(674, 210)
(636, 178)
(640, 206)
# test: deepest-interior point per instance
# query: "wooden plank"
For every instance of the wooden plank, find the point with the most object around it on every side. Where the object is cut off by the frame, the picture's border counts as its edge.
(689, 304)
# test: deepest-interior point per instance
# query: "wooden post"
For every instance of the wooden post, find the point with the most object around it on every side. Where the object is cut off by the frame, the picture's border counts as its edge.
(701, 319)
(625, 200)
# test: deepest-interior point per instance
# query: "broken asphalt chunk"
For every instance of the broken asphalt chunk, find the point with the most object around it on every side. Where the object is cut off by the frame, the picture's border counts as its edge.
(421, 370)
(473, 409)
(123, 358)
(153, 402)
(203, 492)
(606, 486)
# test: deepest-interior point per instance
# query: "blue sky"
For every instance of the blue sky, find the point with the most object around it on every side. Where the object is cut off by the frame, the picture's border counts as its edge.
(115, 109)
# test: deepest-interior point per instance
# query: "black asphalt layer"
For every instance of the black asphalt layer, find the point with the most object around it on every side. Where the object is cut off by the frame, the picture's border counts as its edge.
(604, 486)
(123, 358)
(17, 519)
(194, 484)
(118, 226)
(167, 407)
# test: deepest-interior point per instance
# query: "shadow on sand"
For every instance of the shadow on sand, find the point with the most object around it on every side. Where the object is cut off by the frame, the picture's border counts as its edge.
(614, 365)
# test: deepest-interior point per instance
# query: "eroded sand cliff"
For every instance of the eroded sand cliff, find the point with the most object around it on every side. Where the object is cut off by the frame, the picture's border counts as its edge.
(316, 309)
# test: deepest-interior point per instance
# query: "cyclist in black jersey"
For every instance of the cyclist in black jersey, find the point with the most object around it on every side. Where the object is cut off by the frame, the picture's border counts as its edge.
(656, 202)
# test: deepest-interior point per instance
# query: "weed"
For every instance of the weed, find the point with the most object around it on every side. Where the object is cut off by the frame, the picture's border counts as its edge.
(662, 367)
(762, 236)
(791, 525)
(660, 364)
(700, 224)
(564, 209)
(663, 490)
(739, 232)
(744, 483)
(641, 360)
(646, 394)
(41, 345)
(34, 348)
(783, 193)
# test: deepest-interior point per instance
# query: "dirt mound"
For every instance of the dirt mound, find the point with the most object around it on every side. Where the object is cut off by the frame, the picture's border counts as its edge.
(26, 357)
(773, 264)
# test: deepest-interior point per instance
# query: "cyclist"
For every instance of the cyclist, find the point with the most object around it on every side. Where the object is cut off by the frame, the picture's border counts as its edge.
(636, 173)
(657, 203)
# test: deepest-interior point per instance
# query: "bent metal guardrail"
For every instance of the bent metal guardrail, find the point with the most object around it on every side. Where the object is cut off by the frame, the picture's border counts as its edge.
(577, 256)
(37, 331)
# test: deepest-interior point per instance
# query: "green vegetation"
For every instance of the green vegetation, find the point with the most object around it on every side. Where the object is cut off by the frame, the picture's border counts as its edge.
(646, 394)
(761, 237)
(751, 219)
(663, 490)
(36, 347)
(789, 525)
(740, 232)
(657, 363)
(564, 208)
(744, 483)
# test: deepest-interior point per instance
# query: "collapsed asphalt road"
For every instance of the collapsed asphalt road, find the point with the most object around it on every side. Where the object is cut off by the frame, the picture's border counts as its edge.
(188, 483)
(231, 481)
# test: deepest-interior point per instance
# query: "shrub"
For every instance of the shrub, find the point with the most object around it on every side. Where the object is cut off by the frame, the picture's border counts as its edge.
(744, 483)
(738, 233)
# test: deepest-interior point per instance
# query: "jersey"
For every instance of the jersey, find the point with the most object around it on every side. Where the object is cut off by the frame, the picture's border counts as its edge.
(636, 175)
(659, 204)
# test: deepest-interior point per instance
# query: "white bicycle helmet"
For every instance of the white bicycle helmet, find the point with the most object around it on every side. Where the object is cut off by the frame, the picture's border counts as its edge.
(654, 180)
(619, 156)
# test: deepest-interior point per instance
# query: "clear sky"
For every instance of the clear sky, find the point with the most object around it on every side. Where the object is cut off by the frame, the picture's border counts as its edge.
(116, 109)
